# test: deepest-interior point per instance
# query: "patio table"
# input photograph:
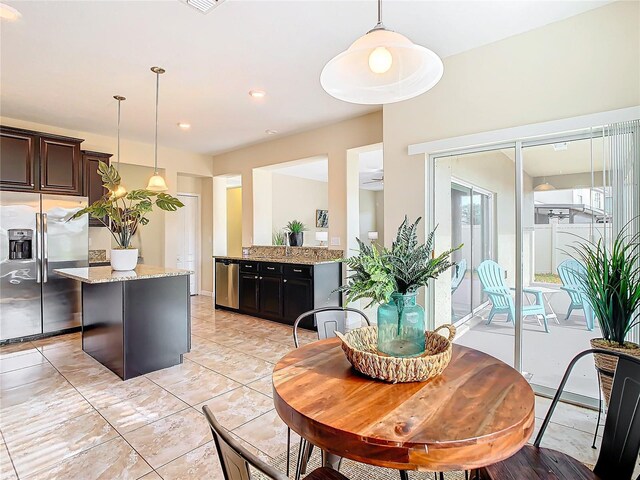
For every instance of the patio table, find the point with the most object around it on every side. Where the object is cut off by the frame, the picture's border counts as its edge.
(478, 412)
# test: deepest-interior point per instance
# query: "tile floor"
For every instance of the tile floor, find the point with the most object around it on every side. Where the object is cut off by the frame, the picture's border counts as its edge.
(64, 416)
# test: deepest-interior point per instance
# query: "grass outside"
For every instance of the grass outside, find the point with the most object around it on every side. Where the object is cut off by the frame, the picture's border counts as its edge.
(547, 278)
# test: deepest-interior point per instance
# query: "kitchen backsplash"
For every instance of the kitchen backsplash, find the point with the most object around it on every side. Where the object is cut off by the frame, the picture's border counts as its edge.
(311, 253)
(97, 256)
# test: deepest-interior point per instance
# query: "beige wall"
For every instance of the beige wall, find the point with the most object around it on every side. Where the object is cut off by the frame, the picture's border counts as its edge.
(333, 141)
(234, 221)
(585, 64)
(297, 198)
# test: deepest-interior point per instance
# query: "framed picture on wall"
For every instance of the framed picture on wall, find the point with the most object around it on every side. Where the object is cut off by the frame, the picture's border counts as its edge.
(322, 218)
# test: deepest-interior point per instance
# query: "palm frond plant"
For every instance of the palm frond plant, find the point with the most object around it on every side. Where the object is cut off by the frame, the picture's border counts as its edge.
(391, 279)
(125, 212)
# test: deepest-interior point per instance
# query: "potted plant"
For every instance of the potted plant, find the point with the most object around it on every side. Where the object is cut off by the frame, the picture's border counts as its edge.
(125, 211)
(611, 282)
(391, 278)
(278, 238)
(295, 229)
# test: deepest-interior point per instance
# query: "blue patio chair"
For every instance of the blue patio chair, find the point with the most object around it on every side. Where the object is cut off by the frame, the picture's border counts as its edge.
(458, 274)
(571, 274)
(492, 279)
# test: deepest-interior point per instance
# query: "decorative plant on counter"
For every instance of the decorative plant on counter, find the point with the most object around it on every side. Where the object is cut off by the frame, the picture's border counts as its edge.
(296, 229)
(126, 211)
(278, 238)
(611, 283)
(391, 278)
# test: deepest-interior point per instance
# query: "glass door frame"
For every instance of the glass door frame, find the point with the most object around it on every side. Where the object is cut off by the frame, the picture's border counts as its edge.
(517, 144)
(482, 191)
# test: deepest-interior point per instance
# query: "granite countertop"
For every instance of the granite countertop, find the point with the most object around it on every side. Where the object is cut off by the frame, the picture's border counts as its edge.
(292, 260)
(106, 275)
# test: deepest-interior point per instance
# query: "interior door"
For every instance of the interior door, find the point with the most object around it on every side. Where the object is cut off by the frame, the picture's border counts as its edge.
(187, 239)
(65, 245)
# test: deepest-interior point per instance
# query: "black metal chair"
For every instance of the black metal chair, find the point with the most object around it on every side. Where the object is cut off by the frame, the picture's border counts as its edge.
(328, 320)
(620, 437)
(235, 459)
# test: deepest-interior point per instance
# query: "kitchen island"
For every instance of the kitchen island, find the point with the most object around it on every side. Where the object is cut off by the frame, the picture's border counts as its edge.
(134, 322)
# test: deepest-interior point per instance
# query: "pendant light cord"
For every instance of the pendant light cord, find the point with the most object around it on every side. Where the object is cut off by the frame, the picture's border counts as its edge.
(118, 149)
(155, 162)
(379, 12)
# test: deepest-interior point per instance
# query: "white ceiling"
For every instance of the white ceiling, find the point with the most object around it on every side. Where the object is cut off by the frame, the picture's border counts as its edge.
(64, 60)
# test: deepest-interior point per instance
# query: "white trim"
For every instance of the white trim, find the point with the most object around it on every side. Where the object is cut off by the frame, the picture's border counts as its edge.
(507, 135)
(198, 237)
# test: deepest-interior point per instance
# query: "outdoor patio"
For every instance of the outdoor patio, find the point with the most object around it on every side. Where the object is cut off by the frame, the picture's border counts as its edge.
(545, 356)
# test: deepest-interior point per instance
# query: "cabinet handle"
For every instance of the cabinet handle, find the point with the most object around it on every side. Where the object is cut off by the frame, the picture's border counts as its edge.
(285, 280)
(256, 277)
(270, 268)
(297, 271)
(260, 278)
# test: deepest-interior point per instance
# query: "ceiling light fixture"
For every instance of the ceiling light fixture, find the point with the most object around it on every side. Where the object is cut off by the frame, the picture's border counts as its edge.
(257, 93)
(7, 12)
(204, 5)
(184, 126)
(381, 67)
(156, 182)
(120, 190)
(559, 147)
(270, 132)
(544, 187)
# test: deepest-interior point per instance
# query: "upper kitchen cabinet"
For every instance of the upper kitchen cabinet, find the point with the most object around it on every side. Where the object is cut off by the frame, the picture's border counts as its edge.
(17, 159)
(93, 188)
(40, 162)
(60, 165)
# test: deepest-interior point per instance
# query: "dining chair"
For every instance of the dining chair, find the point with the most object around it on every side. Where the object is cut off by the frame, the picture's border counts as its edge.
(620, 438)
(571, 274)
(235, 459)
(491, 277)
(459, 272)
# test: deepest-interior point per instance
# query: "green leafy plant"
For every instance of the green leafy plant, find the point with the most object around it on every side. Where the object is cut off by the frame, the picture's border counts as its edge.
(379, 272)
(295, 226)
(128, 210)
(278, 238)
(611, 280)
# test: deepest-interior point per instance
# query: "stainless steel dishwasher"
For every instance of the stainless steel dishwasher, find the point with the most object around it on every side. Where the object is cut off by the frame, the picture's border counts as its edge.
(227, 283)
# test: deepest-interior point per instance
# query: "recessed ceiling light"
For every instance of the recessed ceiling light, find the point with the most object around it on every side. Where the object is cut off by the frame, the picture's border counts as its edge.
(270, 132)
(257, 93)
(184, 126)
(7, 12)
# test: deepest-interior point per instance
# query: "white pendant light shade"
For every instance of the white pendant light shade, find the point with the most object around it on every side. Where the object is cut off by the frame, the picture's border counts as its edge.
(544, 187)
(381, 67)
(157, 184)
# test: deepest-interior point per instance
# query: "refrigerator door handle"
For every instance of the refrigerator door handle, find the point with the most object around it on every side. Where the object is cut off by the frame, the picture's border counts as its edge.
(45, 249)
(38, 252)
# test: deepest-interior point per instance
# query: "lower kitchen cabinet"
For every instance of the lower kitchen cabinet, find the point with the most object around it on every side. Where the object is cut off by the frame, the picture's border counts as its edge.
(282, 292)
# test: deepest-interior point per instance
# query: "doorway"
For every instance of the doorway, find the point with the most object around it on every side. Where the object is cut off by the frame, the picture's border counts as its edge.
(188, 238)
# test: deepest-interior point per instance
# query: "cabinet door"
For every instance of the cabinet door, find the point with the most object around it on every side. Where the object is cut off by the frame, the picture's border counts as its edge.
(249, 293)
(60, 166)
(93, 188)
(17, 160)
(298, 298)
(271, 296)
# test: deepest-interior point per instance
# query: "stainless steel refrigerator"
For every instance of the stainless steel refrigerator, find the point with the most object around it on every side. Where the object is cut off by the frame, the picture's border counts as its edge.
(36, 239)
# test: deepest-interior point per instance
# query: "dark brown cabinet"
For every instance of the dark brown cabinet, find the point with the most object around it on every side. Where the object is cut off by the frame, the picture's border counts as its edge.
(40, 162)
(93, 188)
(281, 292)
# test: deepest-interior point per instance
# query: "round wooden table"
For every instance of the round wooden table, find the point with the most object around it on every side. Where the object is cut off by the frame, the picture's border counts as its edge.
(478, 412)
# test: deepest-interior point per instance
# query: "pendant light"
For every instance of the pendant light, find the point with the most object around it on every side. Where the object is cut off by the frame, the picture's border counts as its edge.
(120, 191)
(156, 182)
(544, 186)
(381, 67)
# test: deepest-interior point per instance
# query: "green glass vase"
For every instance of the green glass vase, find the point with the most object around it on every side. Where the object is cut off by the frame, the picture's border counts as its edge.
(401, 326)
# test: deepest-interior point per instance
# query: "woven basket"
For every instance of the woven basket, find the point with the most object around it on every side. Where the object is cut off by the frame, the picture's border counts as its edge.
(606, 364)
(361, 349)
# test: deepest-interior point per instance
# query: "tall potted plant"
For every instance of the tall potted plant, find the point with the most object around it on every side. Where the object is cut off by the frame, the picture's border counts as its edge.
(126, 211)
(391, 278)
(295, 229)
(611, 282)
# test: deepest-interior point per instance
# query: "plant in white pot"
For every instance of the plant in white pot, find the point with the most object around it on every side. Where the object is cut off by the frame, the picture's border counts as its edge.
(611, 283)
(126, 211)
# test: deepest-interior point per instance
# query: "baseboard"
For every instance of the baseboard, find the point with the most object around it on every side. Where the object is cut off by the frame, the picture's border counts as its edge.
(206, 293)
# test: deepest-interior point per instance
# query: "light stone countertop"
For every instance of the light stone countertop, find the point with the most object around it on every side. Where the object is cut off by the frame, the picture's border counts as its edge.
(106, 275)
(292, 260)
